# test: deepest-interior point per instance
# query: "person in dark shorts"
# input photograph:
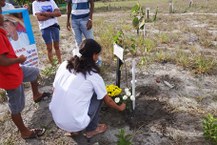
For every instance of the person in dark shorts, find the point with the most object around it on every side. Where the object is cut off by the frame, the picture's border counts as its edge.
(46, 12)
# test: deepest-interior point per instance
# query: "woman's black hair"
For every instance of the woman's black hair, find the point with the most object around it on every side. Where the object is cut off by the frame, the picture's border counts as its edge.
(85, 64)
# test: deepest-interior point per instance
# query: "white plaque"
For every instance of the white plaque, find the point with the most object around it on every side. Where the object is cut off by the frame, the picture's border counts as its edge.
(119, 52)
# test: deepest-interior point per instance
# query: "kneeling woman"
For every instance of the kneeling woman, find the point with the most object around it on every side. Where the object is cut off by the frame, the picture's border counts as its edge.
(79, 91)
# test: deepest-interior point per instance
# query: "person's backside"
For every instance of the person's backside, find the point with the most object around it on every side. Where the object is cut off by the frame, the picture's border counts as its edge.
(78, 90)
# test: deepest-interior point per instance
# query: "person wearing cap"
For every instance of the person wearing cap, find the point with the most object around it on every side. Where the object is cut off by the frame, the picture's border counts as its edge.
(79, 92)
(46, 12)
(17, 39)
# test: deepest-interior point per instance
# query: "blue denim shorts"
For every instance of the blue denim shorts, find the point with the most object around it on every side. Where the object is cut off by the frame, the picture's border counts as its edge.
(16, 97)
(51, 33)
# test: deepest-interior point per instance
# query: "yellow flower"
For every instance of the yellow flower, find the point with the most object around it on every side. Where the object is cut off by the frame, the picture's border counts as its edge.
(113, 90)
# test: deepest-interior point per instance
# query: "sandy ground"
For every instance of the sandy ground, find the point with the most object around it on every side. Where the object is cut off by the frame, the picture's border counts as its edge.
(170, 105)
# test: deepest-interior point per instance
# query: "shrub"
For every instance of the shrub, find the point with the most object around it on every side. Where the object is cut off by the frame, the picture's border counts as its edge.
(123, 138)
(210, 128)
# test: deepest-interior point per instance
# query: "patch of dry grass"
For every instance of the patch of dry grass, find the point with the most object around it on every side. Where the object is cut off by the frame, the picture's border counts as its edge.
(172, 34)
(3, 97)
(175, 33)
(180, 6)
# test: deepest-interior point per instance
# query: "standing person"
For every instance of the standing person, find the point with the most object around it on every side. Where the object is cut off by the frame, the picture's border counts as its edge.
(46, 11)
(81, 13)
(6, 6)
(79, 91)
(11, 78)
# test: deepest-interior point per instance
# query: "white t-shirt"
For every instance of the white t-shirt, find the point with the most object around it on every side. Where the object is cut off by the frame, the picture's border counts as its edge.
(45, 6)
(7, 7)
(23, 40)
(71, 98)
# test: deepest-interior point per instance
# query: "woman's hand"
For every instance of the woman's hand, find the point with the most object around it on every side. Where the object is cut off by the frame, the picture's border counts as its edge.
(122, 107)
(108, 100)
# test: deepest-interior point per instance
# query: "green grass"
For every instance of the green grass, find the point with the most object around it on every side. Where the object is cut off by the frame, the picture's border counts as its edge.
(173, 33)
(210, 128)
(170, 32)
(125, 5)
(180, 6)
(202, 64)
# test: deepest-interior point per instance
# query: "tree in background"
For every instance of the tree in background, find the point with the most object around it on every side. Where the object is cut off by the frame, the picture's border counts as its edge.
(20, 2)
(60, 1)
(12, 2)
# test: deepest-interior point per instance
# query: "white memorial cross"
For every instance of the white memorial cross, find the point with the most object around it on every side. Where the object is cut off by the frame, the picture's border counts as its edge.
(119, 52)
(133, 83)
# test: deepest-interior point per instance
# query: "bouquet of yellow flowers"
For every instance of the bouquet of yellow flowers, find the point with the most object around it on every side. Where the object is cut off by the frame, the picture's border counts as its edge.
(116, 93)
(113, 90)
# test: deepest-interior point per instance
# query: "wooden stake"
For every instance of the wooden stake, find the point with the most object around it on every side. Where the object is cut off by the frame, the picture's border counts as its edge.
(144, 32)
(118, 72)
(171, 6)
(147, 14)
(190, 3)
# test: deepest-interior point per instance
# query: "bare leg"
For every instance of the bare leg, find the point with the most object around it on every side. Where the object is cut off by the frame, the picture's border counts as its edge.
(35, 91)
(49, 52)
(18, 121)
(57, 51)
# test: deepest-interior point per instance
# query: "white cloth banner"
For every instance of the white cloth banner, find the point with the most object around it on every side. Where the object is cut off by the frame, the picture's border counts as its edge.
(30, 51)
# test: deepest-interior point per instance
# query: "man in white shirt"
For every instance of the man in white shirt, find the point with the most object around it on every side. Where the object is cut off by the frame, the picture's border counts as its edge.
(6, 6)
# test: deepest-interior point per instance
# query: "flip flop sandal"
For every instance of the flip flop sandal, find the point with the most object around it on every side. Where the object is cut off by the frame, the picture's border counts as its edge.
(71, 134)
(45, 94)
(101, 128)
(37, 132)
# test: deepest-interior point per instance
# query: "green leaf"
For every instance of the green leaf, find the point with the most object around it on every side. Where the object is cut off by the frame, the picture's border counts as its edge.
(123, 139)
(135, 8)
(135, 22)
